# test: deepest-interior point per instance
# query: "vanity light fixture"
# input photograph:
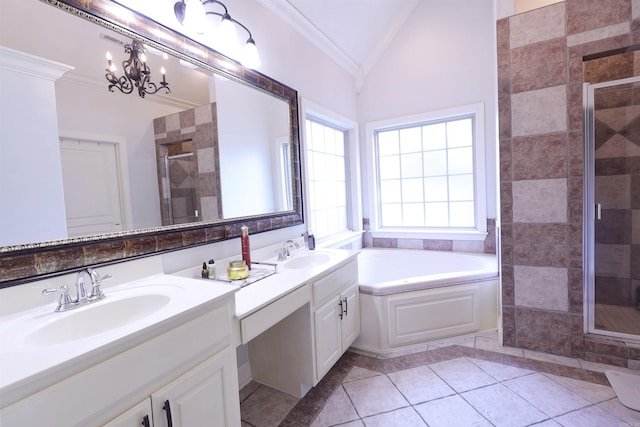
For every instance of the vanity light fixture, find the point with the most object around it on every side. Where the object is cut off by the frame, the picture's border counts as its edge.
(136, 72)
(193, 15)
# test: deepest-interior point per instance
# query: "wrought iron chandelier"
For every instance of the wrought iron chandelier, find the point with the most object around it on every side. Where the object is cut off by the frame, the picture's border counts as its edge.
(136, 72)
(193, 15)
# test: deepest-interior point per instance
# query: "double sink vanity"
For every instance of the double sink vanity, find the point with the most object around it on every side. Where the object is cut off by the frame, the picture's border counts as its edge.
(160, 349)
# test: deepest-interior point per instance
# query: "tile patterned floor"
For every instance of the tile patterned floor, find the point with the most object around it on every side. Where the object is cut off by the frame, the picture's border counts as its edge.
(471, 381)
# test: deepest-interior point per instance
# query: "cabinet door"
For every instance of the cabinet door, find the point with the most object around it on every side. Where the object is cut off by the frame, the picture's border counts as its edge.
(328, 339)
(134, 417)
(351, 318)
(205, 396)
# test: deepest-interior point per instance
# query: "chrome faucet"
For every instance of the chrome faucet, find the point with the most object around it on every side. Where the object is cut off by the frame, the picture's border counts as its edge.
(65, 302)
(285, 250)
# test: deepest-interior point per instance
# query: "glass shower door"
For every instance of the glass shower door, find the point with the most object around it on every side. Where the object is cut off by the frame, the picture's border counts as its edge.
(181, 178)
(613, 175)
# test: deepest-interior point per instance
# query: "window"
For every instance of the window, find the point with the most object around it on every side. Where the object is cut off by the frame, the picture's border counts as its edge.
(429, 173)
(327, 178)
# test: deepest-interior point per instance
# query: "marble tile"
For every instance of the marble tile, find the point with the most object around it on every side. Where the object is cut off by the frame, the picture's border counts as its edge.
(337, 410)
(546, 394)
(540, 156)
(491, 345)
(539, 111)
(358, 373)
(585, 16)
(621, 412)
(438, 413)
(499, 371)
(357, 423)
(614, 191)
(503, 407)
(420, 384)
(203, 114)
(553, 358)
(543, 245)
(541, 287)
(405, 417)
(613, 260)
(475, 246)
(538, 25)
(466, 341)
(545, 330)
(266, 407)
(540, 200)
(410, 243)
(248, 390)
(599, 34)
(374, 395)
(539, 65)
(592, 416)
(462, 375)
(594, 393)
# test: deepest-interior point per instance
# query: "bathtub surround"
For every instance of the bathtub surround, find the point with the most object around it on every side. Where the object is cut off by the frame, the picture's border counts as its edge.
(540, 77)
(486, 246)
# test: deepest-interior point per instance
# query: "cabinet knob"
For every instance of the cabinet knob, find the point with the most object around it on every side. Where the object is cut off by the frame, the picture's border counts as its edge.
(341, 309)
(145, 421)
(346, 306)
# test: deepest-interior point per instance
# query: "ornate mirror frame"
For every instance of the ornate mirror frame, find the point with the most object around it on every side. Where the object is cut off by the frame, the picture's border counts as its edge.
(24, 263)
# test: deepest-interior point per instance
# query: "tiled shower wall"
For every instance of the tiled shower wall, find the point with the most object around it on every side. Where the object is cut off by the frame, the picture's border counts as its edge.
(540, 73)
(199, 125)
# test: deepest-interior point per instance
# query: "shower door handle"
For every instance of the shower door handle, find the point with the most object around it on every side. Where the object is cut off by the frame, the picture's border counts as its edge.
(598, 211)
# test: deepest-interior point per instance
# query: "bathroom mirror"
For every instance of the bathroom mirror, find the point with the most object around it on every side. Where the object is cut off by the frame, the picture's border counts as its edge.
(237, 92)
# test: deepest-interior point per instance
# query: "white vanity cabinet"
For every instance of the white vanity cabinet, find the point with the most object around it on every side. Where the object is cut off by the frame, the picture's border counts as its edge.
(190, 362)
(336, 316)
(205, 396)
(139, 415)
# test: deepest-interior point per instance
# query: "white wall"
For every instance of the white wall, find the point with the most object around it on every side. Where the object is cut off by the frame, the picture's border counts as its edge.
(444, 56)
(30, 168)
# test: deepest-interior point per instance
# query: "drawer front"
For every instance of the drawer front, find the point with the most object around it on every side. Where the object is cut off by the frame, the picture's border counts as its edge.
(332, 283)
(258, 322)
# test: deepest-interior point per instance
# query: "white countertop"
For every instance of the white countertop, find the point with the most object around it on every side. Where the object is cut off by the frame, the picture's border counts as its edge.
(27, 366)
(253, 297)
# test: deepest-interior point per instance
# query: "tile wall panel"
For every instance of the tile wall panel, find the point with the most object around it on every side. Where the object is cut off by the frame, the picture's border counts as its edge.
(542, 144)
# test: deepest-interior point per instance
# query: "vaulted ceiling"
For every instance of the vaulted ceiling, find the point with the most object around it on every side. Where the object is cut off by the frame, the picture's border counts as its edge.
(354, 33)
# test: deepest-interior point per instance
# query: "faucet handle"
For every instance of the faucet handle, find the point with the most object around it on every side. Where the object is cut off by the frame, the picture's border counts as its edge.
(64, 300)
(95, 276)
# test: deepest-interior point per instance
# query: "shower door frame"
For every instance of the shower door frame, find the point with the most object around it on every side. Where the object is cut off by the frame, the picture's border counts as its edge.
(590, 211)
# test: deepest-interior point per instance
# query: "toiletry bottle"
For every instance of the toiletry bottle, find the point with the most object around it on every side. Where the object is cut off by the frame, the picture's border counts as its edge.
(205, 271)
(212, 269)
(311, 241)
(246, 251)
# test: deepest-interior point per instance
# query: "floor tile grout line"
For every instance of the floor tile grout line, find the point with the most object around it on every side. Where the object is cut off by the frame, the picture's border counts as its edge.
(390, 365)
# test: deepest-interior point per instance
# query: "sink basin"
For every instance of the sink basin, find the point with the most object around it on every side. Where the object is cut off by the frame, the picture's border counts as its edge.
(307, 261)
(116, 310)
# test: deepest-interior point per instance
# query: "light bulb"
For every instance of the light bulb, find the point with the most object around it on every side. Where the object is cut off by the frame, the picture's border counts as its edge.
(109, 57)
(143, 57)
(227, 37)
(163, 71)
(250, 57)
(195, 16)
(112, 68)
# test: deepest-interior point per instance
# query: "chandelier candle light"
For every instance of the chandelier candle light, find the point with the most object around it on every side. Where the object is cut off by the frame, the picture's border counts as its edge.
(136, 72)
(193, 15)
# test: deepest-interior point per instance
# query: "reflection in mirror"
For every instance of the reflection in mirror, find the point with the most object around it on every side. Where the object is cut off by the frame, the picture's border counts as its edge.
(212, 149)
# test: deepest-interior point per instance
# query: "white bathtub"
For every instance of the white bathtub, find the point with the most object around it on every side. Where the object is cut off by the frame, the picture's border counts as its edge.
(410, 297)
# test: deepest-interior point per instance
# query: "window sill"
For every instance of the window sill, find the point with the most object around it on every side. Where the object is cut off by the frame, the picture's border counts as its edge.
(430, 235)
(339, 240)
